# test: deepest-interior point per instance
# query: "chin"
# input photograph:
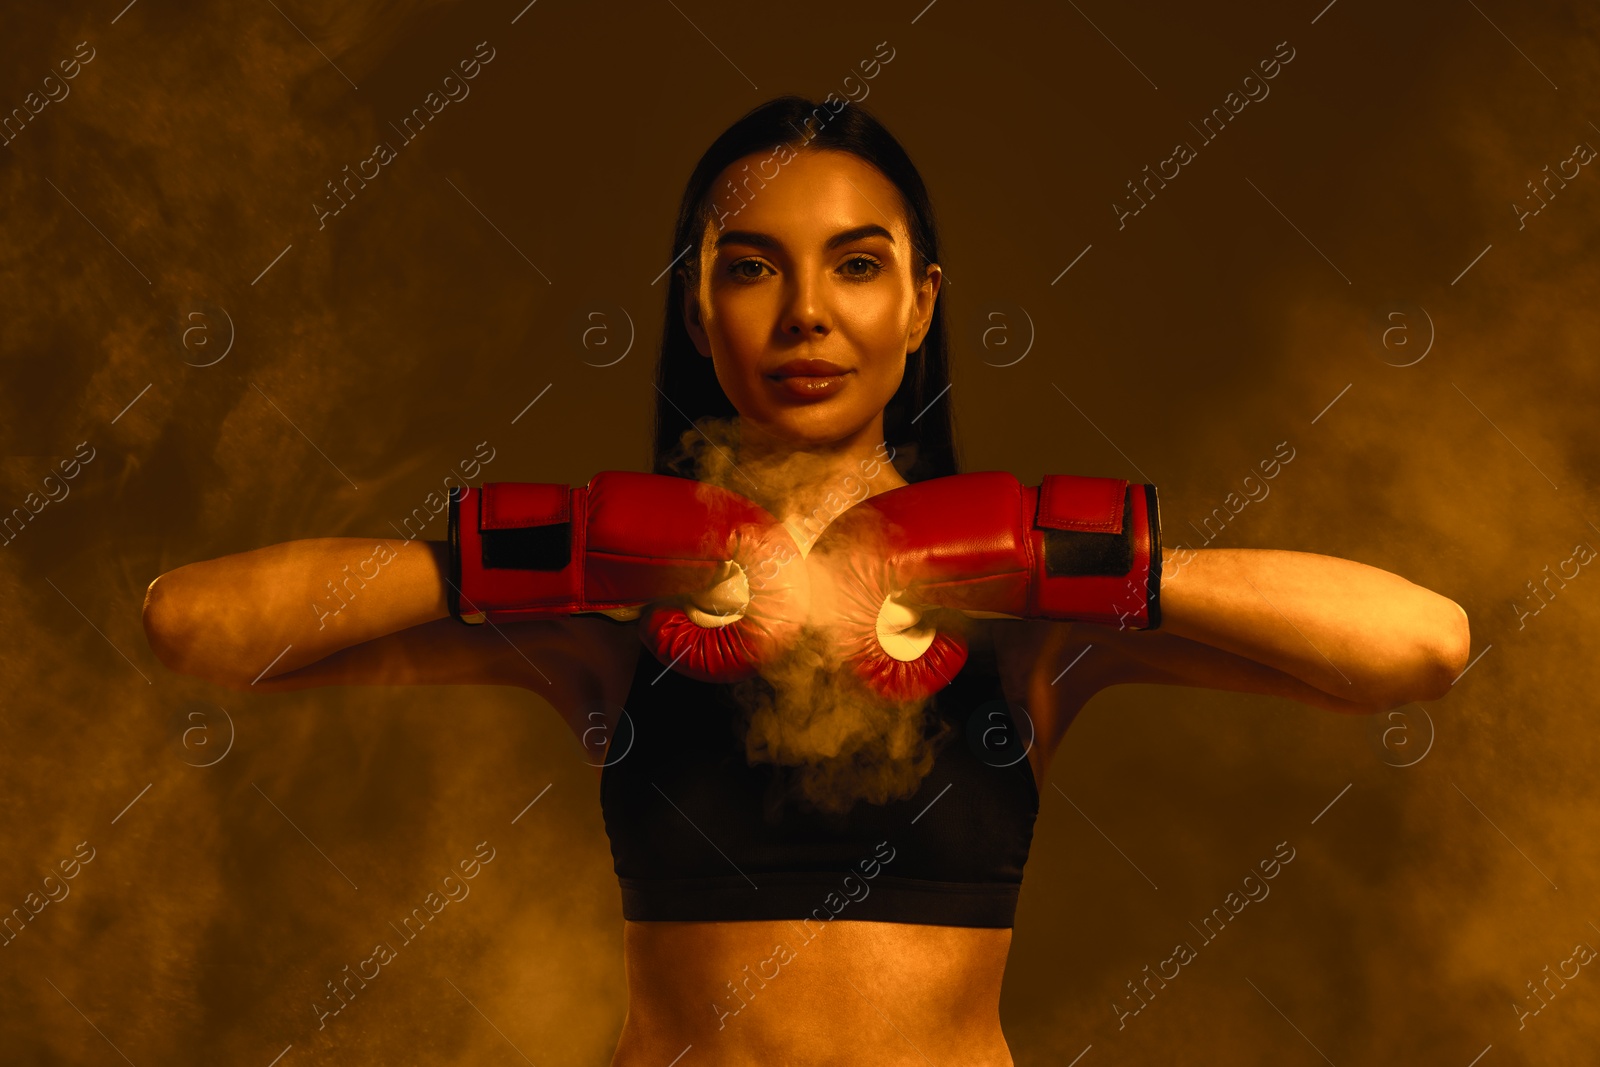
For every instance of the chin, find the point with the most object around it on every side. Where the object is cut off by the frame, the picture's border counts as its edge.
(802, 439)
(811, 433)
(805, 439)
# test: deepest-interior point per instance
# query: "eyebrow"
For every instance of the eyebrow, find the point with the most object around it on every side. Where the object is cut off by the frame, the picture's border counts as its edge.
(765, 240)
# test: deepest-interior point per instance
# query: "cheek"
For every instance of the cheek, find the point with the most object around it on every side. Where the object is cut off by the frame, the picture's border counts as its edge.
(736, 340)
(742, 323)
(747, 335)
(876, 326)
(888, 380)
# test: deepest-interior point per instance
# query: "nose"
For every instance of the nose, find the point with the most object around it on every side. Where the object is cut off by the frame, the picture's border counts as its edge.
(805, 311)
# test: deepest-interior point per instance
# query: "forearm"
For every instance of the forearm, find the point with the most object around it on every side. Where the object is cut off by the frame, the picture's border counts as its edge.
(280, 607)
(1355, 632)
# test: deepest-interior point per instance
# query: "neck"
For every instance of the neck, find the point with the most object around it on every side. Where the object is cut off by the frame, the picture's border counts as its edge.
(808, 487)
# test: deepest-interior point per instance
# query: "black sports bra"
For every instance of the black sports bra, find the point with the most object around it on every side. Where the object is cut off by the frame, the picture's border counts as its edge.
(699, 834)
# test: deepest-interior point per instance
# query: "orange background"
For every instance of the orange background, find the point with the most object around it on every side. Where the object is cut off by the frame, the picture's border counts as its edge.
(378, 351)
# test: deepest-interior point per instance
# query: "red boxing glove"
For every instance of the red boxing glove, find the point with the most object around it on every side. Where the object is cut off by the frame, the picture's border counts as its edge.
(1074, 549)
(708, 565)
(902, 652)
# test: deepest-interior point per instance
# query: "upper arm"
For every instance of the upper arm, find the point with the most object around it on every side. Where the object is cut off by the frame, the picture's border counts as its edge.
(1154, 657)
(540, 655)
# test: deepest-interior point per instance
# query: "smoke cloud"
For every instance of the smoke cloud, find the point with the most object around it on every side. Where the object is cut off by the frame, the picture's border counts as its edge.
(809, 710)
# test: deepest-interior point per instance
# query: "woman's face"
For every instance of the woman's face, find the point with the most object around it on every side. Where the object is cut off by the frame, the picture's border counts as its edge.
(817, 265)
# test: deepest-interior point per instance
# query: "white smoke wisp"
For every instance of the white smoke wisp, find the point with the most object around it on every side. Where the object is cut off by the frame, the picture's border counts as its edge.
(809, 710)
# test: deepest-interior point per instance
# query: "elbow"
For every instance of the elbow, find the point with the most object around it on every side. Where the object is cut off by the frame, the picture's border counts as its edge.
(160, 626)
(169, 629)
(1442, 656)
(163, 625)
(1452, 648)
(188, 636)
(1439, 655)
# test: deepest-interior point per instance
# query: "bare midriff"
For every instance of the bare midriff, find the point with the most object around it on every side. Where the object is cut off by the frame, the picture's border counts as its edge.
(765, 992)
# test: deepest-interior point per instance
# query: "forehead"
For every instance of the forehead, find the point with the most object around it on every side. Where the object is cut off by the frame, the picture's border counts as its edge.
(811, 197)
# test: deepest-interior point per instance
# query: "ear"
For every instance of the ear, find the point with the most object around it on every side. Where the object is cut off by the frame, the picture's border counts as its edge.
(691, 316)
(922, 307)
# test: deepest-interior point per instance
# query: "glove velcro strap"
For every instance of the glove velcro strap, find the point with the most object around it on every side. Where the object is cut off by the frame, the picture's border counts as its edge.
(512, 551)
(1100, 550)
(1087, 524)
(534, 550)
(526, 526)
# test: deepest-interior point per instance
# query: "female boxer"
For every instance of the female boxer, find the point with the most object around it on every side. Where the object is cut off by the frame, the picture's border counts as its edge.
(804, 368)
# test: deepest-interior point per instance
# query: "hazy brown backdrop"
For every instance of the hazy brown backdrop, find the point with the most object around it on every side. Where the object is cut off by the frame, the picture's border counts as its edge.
(165, 207)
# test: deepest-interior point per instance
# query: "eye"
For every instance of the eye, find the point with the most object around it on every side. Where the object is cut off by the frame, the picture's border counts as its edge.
(856, 268)
(874, 268)
(739, 275)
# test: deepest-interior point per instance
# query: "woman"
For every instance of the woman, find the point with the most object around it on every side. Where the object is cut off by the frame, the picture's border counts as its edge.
(806, 234)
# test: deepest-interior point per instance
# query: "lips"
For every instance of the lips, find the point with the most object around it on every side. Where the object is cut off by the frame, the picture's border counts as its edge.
(809, 379)
(807, 368)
